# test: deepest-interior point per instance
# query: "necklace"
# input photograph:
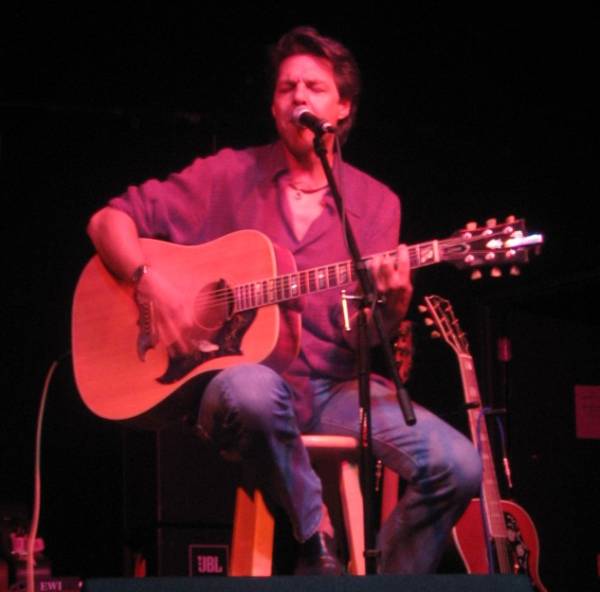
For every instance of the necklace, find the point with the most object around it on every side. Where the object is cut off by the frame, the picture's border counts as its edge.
(300, 193)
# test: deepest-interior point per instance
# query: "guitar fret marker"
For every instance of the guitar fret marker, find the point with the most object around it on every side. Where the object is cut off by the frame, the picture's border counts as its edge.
(258, 292)
(286, 287)
(303, 283)
(343, 268)
(426, 253)
(312, 284)
(332, 277)
(294, 285)
(265, 292)
(322, 279)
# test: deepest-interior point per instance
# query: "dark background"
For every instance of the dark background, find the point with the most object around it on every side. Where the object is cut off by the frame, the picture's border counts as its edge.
(466, 116)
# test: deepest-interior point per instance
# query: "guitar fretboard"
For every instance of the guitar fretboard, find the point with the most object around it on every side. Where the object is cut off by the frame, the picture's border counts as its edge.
(317, 279)
(494, 513)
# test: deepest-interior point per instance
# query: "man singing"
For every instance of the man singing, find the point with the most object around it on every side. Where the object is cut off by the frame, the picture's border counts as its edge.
(251, 412)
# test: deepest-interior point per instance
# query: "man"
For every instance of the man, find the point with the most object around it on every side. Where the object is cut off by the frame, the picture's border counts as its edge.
(250, 411)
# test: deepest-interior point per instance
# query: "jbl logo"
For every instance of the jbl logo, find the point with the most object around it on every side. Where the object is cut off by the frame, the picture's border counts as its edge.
(208, 564)
(208, 560)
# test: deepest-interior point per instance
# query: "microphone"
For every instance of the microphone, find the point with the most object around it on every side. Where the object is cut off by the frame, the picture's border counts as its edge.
(304, 117)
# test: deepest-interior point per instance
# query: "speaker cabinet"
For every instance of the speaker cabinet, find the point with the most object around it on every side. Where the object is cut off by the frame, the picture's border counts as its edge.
(178, 493)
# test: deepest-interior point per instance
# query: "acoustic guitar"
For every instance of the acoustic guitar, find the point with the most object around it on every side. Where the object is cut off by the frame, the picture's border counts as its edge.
(493, 535)
(235, 287)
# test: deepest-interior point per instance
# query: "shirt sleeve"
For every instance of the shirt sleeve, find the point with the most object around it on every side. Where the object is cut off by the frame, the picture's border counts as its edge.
(378, 226)
(384, 233)
(173, 209)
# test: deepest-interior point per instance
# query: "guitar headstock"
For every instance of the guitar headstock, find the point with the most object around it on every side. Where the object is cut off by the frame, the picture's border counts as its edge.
(439, 313)
(492, 245)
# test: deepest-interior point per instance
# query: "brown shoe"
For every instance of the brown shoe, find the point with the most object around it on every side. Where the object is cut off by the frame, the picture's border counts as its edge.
(317, 557)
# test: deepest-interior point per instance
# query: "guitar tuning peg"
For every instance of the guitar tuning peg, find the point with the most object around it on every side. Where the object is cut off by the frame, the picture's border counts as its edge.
(510, 219)
(496, 272)
(471, 226)
(491, 222)
(422, 308)
(428, 321)
(476, 274)
(435, 334)
(514, 270)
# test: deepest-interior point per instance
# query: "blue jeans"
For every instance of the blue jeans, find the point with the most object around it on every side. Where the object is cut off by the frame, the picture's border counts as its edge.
(247, 411)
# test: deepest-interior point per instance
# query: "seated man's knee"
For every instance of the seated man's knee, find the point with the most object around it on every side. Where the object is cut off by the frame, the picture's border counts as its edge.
(454, 470)
(239, 403)
(466, 472)
(252, 390)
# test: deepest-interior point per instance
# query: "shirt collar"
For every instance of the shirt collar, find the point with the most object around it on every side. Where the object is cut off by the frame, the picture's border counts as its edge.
(277, 165)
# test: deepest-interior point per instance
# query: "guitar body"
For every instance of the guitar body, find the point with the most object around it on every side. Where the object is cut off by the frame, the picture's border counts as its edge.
(523, 544)
(116, 383)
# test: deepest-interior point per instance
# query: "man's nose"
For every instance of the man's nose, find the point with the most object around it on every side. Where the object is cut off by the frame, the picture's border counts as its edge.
(300, 94)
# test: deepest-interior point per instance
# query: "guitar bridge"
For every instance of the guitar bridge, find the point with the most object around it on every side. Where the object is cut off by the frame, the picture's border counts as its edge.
(147, 335)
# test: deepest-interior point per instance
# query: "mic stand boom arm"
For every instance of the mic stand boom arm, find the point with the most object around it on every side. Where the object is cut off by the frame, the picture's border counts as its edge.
(368, 299)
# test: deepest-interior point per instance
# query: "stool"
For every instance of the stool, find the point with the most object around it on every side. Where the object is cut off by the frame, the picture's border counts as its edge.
(254, 526)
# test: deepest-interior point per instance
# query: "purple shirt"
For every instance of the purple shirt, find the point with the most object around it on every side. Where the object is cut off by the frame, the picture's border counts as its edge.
(234, 190)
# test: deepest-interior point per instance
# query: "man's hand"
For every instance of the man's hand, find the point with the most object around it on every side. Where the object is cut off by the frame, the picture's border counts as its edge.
(172, 319)
(391, 276)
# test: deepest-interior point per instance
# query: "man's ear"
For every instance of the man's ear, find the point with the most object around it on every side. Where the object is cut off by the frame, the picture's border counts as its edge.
(344, 109)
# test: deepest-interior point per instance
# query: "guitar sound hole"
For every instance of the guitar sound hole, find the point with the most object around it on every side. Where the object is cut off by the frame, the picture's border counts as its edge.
(213, 306)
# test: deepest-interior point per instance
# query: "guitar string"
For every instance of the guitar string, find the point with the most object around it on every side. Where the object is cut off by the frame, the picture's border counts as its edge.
(412, 254)
(228, 296)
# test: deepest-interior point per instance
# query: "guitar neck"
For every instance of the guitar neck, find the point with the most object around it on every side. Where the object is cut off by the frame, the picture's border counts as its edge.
(326, 277)
(471, 247)
(491, 500)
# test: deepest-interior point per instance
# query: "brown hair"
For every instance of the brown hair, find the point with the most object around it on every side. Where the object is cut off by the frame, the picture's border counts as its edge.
(308, 40)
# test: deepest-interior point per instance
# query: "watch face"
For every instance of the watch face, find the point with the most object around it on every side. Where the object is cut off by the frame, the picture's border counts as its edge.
(136, 276)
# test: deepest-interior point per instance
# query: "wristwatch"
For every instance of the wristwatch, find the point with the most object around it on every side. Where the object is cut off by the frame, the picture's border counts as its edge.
(138, 273)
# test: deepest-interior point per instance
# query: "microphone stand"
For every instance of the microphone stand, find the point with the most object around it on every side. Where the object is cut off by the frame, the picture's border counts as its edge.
(368, 299)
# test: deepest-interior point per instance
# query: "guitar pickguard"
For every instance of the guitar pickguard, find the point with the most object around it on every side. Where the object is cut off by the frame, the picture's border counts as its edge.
(226, 342)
